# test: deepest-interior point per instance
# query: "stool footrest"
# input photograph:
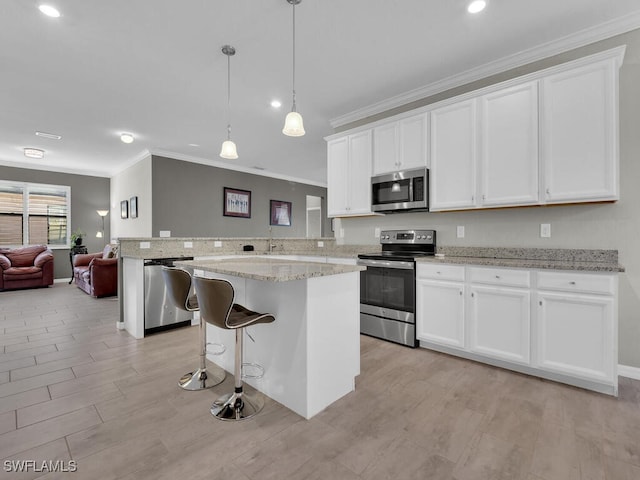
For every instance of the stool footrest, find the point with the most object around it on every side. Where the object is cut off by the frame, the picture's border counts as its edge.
(259, 370)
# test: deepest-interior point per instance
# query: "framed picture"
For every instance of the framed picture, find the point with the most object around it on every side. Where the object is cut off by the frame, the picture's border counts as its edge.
(280, 213)
(237, 203)
(133, 203)
(124, 209)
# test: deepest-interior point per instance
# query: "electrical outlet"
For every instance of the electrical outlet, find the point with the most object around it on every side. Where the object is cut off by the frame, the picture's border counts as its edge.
(188, 244)
(165, 233)
(545, 230)
(217, 244)
(460, 231)
(320, 244)
(145, 245)
(376, 233)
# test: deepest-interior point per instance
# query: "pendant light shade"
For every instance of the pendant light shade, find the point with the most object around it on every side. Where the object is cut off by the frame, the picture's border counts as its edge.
(293, 126)
(229, 149)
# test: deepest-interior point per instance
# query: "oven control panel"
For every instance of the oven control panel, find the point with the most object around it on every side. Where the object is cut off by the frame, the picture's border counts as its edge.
(404, 237)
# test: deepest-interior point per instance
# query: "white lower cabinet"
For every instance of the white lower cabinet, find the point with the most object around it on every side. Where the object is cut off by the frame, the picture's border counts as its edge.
(499, 325)
(441, 312)
(561, 325)
(576, 332)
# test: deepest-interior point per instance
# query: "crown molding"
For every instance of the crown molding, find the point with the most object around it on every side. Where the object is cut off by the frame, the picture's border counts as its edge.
(53, 169)
(130, 163)
(236, 168)
(579, 39)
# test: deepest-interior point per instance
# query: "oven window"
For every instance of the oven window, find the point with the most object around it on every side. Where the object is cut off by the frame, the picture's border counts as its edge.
(383, 192)
(388, 287)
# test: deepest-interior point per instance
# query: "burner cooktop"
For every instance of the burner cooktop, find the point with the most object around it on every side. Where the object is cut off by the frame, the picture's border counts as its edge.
(404, 245)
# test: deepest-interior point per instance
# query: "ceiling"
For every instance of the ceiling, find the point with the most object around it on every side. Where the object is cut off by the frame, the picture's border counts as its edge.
(155, 68)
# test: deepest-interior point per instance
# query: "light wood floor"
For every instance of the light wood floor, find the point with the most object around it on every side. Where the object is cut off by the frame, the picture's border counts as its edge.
(73, 387)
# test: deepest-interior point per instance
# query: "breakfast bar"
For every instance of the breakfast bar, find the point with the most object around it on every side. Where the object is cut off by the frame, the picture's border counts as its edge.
(311, 353)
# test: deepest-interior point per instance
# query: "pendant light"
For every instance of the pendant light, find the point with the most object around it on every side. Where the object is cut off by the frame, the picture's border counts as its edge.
(228, 147)
(293, 126)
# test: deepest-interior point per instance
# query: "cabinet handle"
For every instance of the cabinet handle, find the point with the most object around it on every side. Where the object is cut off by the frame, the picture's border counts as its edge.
(572, 283)
(540, 302)
(460, 292)
(472, 294)
(439, 273)
(484, 197)
(473, 198)
(547, 191)
(498, 277)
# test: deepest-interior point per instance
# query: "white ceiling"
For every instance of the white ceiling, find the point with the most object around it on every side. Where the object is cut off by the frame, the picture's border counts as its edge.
(154, 68)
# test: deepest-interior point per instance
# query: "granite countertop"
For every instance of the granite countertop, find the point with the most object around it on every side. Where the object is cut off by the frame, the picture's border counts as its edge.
(534, 263)
(270, 269)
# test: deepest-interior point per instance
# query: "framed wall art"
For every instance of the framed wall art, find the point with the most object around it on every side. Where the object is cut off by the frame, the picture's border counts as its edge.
(124, 209)
(237, 203)
(280, 213)
(133, 207)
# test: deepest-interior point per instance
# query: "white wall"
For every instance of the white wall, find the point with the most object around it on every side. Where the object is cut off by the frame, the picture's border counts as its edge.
(134, 181)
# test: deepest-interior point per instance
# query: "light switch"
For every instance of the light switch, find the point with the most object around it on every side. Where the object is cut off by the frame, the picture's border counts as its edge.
(545, 230)
(460, 231)
(376, 233)
(320, 244)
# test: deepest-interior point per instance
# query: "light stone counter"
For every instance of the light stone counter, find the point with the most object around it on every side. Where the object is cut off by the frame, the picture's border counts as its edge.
(270, 269)
(531, 258)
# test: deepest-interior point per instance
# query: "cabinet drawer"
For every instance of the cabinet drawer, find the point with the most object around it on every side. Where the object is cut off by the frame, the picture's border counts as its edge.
(500, 276)
(440, 271)
(577, 282)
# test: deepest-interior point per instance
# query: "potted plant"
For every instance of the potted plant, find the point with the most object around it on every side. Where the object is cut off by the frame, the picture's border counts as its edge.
(76, 237)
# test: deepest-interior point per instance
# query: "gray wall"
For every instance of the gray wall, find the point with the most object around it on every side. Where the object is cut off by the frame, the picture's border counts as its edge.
(609, 226)
(88, 194)
(187, 199)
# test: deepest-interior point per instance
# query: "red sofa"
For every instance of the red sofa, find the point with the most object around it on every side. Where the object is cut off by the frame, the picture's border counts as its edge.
(26, 267)
(97, 273)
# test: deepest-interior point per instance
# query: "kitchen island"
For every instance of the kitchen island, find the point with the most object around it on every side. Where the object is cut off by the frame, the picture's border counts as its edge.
(311, 353)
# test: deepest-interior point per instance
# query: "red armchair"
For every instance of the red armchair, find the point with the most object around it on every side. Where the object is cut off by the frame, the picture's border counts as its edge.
(26, 267)
(97, 273)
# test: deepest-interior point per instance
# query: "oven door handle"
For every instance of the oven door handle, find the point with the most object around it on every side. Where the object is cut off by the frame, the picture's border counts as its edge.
(386, 264)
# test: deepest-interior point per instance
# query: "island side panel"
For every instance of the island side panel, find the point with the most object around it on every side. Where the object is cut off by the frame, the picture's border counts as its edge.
(333, 329)
(133, 296)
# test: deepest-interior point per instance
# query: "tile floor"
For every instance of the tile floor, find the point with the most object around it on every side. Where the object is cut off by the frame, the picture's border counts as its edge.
(72, 387)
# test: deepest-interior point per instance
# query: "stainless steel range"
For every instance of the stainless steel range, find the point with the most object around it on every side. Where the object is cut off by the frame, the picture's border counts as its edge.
(388, 285)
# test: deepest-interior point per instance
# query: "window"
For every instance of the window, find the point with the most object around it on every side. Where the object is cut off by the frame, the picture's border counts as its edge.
(32, 214)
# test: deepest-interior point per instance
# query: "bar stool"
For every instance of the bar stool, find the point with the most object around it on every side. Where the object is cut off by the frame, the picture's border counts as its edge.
(178, 283)
(217, 308)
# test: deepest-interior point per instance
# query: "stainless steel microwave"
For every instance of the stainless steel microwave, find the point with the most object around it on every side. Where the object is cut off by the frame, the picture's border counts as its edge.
(400, 191)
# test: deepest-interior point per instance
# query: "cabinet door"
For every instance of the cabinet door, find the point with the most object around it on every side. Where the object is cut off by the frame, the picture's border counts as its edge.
(440, 312)
(359, 178)
(499, 323)
(413, 142)
(509, 163)
(337, 171)
(576, 335)
(385, 148)
(579, 125)
(453, 156)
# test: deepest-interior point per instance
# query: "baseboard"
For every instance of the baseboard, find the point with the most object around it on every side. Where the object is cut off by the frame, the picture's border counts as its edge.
(61, 280)
(629, 372)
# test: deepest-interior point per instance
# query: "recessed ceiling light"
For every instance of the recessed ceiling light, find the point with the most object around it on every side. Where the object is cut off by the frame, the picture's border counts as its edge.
(52, 136)
(49, 11)
(276, 103)
(194, 144)
(258, 167)
(33, 153)
(476, 6)
(126, 138)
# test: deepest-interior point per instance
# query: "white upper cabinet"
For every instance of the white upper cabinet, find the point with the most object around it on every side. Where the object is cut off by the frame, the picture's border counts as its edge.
(349, 175)
(509, 158)
(453, 156)
(580, 134)
(400, 145)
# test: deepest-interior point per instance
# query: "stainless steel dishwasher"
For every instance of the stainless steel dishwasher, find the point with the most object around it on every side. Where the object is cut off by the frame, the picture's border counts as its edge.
(159, 311)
